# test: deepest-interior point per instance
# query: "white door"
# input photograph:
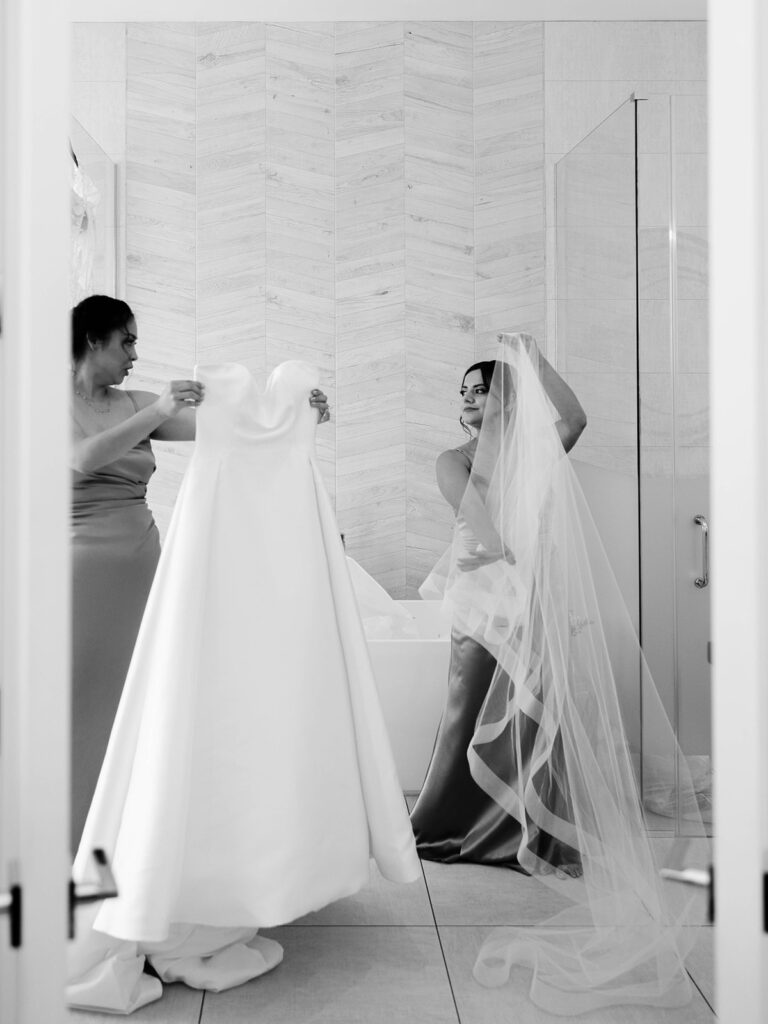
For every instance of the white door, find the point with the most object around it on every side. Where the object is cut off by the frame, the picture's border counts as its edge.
(738, 160)
(34, 578)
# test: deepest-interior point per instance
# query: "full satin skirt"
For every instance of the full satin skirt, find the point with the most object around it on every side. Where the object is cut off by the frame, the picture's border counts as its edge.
(248, 778)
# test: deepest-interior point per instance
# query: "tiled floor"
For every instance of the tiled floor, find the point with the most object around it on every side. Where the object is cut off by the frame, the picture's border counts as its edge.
(404, 955)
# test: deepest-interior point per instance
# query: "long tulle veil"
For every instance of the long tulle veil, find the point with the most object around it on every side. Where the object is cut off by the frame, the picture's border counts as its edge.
(551, 741)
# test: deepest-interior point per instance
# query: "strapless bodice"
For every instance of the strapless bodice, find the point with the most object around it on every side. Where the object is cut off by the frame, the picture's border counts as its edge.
(236, 415)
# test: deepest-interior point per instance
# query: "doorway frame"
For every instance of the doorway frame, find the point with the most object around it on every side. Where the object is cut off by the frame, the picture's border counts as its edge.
(35, 488)
(34, 509)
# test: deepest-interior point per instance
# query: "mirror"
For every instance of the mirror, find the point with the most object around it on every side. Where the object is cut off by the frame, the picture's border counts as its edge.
(380, 199)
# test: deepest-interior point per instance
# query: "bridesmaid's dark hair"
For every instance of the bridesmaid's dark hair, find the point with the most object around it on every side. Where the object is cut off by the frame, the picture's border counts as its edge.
(94, 319)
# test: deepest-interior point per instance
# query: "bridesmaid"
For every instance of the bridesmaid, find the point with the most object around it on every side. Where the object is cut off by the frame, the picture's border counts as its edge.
(115, 543)
(454, 819)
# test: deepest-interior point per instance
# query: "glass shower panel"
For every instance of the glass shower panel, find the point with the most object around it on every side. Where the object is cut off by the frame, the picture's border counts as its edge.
(674, 452)
(596, 268)
(631, 249)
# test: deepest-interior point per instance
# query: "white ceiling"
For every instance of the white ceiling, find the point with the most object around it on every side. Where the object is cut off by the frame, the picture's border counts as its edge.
(388, 10)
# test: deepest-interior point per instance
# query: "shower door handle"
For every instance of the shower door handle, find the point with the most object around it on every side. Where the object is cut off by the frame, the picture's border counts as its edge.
(703, 580)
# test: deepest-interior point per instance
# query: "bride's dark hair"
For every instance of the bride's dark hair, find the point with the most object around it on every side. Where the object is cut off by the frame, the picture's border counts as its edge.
(486, 368)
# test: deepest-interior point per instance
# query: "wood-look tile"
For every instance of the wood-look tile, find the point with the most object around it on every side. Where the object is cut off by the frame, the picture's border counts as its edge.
(373, 192)
(160, 48)
(369, 294)
(321, 30)
(434, 114)
(377, 116)
(454, 326)
(479, 1005)
(528, 314)
(344, 975)
(440, 285)
(386, 497)
(509, 185)
(361, 36)
(501, 44)
(160, 216)
(443, 43)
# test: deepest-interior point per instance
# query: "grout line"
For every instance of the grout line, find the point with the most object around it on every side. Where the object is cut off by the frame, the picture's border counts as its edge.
(202, 1006)
(698, 989)
(440, 942)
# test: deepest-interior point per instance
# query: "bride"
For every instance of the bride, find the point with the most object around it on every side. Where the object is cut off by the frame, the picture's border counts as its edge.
(533, 768)
(454, 818)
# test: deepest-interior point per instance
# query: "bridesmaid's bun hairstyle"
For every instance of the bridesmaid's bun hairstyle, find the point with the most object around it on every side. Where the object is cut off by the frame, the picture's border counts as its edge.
(96, 318)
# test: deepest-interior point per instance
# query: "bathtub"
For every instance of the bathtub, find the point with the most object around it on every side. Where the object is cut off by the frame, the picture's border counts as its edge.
(412, 677)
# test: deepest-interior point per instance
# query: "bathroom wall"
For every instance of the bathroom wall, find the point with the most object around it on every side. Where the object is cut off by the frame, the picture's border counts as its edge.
(375, 197)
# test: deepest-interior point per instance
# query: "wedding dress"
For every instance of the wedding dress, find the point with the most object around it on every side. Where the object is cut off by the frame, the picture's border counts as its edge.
(84, 200)
(248, 778)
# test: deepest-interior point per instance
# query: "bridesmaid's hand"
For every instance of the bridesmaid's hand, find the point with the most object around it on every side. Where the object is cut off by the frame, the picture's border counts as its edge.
(178, 395)
(319, 401)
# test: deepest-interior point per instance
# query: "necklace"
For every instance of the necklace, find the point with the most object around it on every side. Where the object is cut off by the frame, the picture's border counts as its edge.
(100, 410)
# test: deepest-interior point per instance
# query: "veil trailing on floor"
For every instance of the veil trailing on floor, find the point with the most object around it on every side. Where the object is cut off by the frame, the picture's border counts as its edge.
(554, 743)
